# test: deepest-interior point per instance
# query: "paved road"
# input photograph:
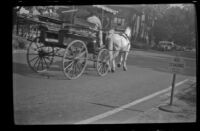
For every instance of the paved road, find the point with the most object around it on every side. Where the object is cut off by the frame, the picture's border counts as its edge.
(49, 98)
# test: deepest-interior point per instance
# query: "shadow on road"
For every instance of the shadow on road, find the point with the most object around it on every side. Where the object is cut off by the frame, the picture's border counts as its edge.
(25, 70)
(54, 72)
(113, 107)
(21, 69)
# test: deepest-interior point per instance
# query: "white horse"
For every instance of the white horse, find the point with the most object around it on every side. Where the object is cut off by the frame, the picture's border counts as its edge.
(119, 44)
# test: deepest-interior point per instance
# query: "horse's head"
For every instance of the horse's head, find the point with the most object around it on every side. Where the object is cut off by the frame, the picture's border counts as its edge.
(128, 31)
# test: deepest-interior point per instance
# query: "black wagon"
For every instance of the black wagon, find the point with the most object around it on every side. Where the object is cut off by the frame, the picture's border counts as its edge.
(77, 41)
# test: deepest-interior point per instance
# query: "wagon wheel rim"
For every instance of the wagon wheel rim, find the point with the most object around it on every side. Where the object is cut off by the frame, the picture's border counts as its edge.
(102, 65)
(75, 59)
(39, 57)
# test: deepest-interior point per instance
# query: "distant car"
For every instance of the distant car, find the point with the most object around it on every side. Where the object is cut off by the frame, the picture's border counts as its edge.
(178, 47)
(166, 45)
(189, 49)
(193, 50)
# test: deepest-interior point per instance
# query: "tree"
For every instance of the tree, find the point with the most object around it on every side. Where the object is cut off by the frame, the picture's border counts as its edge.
(152, 14)
(156, 13)
(176, 24)
(15, 10)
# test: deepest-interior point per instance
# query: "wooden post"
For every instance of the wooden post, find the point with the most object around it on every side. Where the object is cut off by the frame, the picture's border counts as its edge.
(172, 90)
(170, 107)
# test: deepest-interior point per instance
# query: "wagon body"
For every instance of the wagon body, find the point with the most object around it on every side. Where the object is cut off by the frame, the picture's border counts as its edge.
(56, 34)
(76, 38)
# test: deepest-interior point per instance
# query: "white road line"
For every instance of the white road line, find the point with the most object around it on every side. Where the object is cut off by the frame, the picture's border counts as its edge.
(106, 114)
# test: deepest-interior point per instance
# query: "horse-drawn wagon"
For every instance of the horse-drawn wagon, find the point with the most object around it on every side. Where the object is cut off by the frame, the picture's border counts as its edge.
(78, 41)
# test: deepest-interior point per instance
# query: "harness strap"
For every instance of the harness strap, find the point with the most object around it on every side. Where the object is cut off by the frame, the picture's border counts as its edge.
(124, 35)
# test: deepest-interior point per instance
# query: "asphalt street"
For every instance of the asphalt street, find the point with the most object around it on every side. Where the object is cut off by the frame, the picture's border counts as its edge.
(49, 98)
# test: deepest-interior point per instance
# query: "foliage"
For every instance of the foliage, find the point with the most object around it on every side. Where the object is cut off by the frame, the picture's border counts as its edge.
(178, 25)
(19, 42)
(170, 23)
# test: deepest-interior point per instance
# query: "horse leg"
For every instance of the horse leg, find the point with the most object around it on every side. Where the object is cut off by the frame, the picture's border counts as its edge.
(116, 53)
(124, 61)
(113, 66)
(112, 62)
(110, 47)
(121, 58)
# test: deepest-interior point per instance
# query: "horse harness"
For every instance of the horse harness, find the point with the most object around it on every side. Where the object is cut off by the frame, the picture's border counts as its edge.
(124, 35)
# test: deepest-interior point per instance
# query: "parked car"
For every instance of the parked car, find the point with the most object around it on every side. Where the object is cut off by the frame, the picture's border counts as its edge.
(188, 49)
(193, 50)
(166, 45)
(179, 48)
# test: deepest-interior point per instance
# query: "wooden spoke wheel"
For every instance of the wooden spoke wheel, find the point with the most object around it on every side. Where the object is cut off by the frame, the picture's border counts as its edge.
(75, 59)
(38, 56)
(102, 65)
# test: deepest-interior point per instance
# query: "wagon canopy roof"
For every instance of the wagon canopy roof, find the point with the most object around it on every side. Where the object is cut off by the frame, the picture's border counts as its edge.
(103, 7)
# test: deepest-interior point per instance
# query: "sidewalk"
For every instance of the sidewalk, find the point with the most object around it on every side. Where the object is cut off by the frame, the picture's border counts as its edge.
(184, 99)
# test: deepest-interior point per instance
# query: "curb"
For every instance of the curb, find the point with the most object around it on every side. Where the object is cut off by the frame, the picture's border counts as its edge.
(154, 115)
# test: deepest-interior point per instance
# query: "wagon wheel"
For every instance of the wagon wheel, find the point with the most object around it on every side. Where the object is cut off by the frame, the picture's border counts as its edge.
(75, 59)
(103, 62)
(38, 56)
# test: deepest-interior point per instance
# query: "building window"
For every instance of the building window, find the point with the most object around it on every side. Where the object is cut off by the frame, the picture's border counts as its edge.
(123, 22)
(119, 21)
(115, 20)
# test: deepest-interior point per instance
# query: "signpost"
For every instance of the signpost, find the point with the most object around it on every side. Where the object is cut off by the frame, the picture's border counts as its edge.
(176, 65)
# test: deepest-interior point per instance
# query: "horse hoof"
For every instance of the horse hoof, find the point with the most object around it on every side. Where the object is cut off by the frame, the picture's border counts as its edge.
(118, 65)
(125, 69)
(112, 71)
